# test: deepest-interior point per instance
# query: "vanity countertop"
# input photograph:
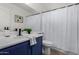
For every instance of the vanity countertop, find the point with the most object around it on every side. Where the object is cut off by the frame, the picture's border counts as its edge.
(13, 40)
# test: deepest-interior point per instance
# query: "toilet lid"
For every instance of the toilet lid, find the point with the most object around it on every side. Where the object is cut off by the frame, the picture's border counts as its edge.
(47, 43)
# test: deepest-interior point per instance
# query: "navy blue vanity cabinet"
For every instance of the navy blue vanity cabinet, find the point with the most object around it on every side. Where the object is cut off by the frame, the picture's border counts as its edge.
(18, 49)
(37, 48)
(24, 48)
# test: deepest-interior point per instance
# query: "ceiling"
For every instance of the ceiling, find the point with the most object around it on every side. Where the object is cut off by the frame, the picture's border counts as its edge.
(34, 8)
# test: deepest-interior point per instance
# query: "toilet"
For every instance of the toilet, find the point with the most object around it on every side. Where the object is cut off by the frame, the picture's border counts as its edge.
(47, 47)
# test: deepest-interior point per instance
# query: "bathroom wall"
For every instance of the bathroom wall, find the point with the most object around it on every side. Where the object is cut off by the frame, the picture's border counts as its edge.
(34, 22)
(7, 13)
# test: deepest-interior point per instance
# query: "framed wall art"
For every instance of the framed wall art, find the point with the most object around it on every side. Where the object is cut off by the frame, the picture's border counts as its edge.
(18, 19)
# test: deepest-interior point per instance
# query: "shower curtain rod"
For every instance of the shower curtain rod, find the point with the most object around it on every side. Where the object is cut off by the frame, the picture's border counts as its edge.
(53, 9)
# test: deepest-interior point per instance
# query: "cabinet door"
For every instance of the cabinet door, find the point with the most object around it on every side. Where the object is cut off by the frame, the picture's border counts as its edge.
(19, 49)
(37, 49)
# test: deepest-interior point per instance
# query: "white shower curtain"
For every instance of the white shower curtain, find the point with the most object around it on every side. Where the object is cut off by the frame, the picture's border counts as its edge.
(59, 27)
(71, 29)
(54, 27)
